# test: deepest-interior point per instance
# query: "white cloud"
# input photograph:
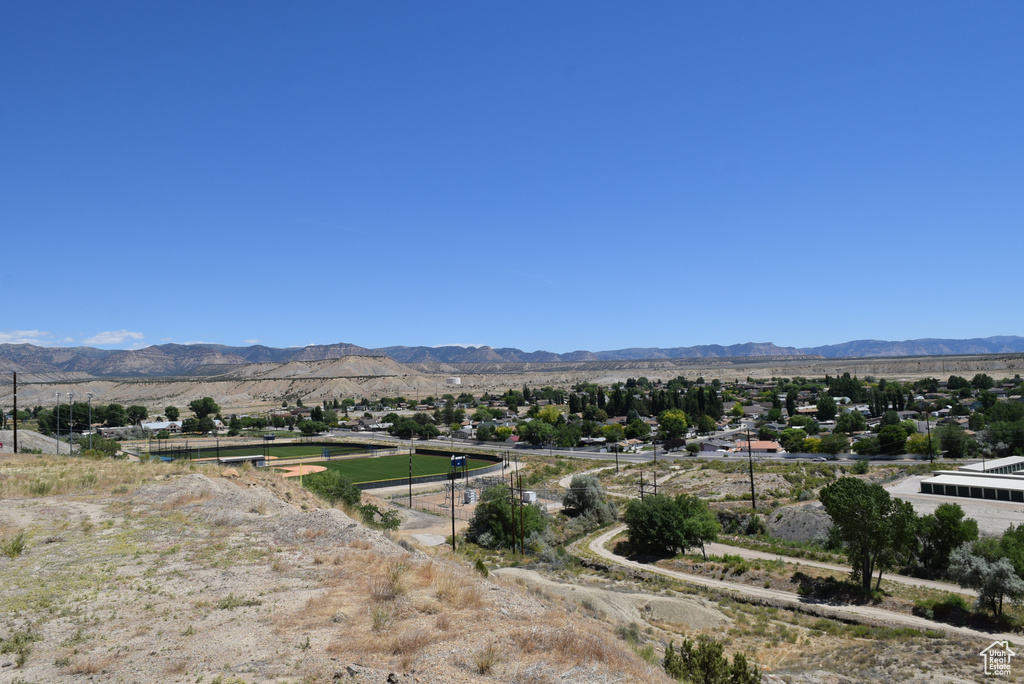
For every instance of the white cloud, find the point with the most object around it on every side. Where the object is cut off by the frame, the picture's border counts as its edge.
(251, 341)
(36, 337)
(113, 337)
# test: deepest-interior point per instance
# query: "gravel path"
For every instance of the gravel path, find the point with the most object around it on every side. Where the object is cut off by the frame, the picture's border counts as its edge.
(723, 549)
(843, 612)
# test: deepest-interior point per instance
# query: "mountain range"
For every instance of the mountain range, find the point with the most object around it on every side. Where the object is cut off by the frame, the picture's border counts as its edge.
(212, 359)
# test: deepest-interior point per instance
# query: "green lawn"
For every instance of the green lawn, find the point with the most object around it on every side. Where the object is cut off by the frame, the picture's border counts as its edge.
(396, 466)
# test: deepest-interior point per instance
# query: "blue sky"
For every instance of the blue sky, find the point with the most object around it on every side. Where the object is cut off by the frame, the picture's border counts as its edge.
(558, 176)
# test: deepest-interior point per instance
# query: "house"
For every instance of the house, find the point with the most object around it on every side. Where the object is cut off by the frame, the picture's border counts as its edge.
(715, 445)
(171, 426)
(759, 446)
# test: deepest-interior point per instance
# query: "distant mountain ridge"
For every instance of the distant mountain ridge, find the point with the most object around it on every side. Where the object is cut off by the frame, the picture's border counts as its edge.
(206, 359)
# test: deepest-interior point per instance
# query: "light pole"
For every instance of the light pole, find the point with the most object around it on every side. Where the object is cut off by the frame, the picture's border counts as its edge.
(89, 394)
(71, 425)
(57, 394)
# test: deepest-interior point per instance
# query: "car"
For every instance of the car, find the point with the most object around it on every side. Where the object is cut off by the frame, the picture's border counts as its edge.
(820, 459)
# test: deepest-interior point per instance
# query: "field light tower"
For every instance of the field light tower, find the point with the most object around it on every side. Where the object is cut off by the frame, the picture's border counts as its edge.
(89, 394)
(71, 424)
(57, 394)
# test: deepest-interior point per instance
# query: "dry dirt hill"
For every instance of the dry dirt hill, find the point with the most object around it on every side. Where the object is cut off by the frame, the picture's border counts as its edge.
(154, 572)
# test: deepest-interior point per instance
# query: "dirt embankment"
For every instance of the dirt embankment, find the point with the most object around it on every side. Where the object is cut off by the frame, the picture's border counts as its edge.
(163, 572)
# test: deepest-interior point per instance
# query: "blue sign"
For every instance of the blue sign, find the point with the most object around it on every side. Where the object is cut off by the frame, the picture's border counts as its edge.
(458, 461)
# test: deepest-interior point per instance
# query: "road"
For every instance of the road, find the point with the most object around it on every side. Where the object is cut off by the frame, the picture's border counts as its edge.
(642, 457)
(843, 612)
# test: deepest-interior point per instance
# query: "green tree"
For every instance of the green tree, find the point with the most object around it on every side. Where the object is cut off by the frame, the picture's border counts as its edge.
(917, 444)
(536, 432)
(672, 424)
(870, 524)
(792, 439)
(892, 440)
(116, 415)
(826, 407)
(171, 412)
(310, 428)
(428, 431)
(566, 435)
(866, 447)
(704, 662)
(791, 396)
(136, 414)
(205, 425)
(205, 407)
(661, 524)
(851, 421)
(549, 414)
(994, 581)
(655, 525)
(493, 525)
(955, 382)
(953, 440)
(637, 429)
(943, 531)
(333, 487)
(586, 498)
(613, 432)
(833, 444)
(982, 381)
(484, 433)
(706, 425)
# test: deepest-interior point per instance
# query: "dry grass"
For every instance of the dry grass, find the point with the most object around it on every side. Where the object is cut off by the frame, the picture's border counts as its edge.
(398, 612)
(568, 642)
(411, 641)
(88, 665)
(177, 667)
(486, 658)
(456, 589)
(389, 581)
(184, 499)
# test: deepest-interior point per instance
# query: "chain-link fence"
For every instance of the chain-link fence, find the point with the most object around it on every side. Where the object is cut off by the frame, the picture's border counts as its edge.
(440, 502)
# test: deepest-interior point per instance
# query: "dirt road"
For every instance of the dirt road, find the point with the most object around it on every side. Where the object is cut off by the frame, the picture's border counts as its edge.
(842, 612)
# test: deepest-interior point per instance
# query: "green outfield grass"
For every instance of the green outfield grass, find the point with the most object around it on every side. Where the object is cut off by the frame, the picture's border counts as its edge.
(395, 467)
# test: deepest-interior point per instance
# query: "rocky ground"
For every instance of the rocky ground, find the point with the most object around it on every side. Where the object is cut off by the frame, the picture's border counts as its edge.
(145, 572)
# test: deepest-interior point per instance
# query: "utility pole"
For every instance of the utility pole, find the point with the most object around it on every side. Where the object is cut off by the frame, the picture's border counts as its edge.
(453, 508)
(928, 426)
(71, 424)
(57, 394)
(512, 502)
(750, 462)
(15, 413)
(522, 517)
(655, 476)
(410, 470)
(89, 394)
(641, 486)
